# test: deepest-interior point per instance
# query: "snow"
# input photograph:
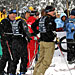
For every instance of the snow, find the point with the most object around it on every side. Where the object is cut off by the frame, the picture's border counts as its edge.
(59, 65)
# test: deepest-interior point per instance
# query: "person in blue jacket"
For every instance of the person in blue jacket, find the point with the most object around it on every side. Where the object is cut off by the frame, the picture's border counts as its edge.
(70, 28)
(60, 22)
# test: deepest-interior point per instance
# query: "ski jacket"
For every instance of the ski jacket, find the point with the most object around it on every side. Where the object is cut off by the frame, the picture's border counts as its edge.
(50, 26)
(31, 20)
(59, 22)
(7, 26)
(69, 26)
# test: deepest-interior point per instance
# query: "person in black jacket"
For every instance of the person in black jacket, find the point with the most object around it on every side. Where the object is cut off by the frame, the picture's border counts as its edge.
(14, 33)
(47, 26)
(4, 28)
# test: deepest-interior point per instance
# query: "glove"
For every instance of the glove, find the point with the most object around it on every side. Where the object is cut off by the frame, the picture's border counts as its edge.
(35, 38)
(72, 29)
(39, 40)
(57, 40)
(29, 39)
(54, 33)
(38, 35)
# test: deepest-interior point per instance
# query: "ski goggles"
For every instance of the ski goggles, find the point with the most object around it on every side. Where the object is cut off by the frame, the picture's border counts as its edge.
(49, 10)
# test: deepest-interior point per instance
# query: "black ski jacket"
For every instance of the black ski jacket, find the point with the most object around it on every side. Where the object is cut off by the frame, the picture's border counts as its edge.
(6, 27)
(50, 27)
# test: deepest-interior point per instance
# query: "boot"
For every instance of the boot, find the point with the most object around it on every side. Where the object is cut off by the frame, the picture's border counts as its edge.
(73, 61)
(22, 73)
(70, 62)
(11, 74)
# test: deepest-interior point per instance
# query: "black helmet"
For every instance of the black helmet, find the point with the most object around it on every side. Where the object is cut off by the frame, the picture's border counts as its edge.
(49, 9)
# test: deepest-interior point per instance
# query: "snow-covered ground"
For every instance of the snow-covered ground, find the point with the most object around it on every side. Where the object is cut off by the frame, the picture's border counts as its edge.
(59, 65)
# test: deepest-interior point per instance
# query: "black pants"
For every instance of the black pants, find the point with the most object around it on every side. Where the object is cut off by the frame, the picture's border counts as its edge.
(71, 50)
(5, 57)
(19, 50)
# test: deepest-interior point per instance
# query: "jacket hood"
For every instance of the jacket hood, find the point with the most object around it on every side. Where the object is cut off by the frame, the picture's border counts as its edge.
(63, 14)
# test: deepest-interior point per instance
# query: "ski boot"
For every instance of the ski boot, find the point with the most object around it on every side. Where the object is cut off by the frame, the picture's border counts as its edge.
(73, 61)
(70, 62)
(11, 74)
(22, 73)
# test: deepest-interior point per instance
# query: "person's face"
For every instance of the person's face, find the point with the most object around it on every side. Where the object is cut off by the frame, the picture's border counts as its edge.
(52, 13)
(12, 16)
(27, 15)
(37, 17)
(72, 16)
(4, 10)
(15, 15)
(63, 18)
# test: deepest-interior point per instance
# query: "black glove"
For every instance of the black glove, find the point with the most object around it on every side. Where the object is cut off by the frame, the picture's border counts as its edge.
(29, 39)
(38, 40)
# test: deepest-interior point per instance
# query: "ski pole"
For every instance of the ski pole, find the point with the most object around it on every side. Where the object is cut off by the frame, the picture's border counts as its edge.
(9, 50)
(64, 59)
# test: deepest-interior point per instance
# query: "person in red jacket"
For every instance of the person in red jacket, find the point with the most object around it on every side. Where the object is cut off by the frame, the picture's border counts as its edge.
(33, 44)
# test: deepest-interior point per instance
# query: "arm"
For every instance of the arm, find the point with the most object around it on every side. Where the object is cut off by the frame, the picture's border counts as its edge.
(34, 27)
(68, 28)
(24, 29)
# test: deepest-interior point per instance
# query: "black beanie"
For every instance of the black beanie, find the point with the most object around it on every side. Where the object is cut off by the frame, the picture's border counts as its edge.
(49, 9)
(73, 12)
(12, 11)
